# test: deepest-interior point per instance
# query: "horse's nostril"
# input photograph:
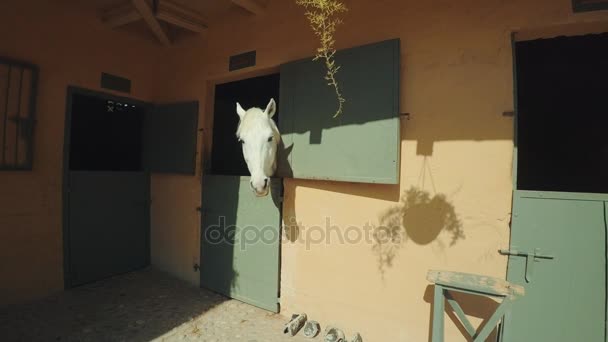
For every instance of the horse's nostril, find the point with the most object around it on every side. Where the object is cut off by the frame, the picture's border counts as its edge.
(265, 182)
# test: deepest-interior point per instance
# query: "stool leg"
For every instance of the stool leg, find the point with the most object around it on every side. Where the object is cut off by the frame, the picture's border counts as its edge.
(492, 322)
(438, 314)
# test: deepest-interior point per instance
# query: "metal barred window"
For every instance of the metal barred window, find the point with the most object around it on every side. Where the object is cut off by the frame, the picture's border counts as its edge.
(18, 84)
(589, 5)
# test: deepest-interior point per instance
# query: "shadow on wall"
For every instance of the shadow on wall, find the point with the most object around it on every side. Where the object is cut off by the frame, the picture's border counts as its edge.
(220, 195)
(288, 209)
(473, 306)
(419, 217)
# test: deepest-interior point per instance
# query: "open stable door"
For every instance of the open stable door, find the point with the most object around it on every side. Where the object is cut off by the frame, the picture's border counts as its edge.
(360, 145)
(240, 233)
(112, 146)
(558, 244)
(170, 132)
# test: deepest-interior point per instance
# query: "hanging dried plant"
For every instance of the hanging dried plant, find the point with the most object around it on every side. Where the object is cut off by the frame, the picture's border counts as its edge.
(322, 15)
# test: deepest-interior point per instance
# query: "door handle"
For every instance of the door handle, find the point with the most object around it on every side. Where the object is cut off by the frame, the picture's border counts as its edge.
(531, 258)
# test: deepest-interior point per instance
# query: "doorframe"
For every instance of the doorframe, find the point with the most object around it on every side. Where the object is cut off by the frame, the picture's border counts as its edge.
(580, 29)
(515, 111)
(71, 91)
(209, 110)
(207, 148)
(548, 32)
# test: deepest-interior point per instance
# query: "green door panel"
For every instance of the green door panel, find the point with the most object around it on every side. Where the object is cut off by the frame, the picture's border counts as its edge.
(108, 226)
(241, 240)
(565, 297)
(170, 134)
(360, 145)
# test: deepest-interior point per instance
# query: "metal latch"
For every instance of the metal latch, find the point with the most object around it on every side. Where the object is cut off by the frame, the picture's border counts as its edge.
(531, 257)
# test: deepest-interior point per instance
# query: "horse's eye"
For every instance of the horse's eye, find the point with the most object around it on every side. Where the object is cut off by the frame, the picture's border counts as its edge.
(241, 141)
(270, 139)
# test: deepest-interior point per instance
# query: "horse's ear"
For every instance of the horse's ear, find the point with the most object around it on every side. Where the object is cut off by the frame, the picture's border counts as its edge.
(271, 108)
(239, 110)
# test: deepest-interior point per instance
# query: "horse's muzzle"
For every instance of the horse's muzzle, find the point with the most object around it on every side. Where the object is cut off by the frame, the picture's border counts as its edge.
(264, 191)
(262, 194)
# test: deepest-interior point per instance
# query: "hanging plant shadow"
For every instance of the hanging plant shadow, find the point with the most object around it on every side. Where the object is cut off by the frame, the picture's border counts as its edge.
(418, 217)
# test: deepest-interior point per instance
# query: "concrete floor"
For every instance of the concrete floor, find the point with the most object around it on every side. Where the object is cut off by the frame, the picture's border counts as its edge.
(141, 306)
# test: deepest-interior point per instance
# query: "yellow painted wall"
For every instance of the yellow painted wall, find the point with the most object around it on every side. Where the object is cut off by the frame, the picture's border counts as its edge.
(175, 221)
(453, 203)
(71, 47)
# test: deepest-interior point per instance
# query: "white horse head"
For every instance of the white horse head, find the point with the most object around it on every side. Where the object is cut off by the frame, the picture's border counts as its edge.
(259, 136)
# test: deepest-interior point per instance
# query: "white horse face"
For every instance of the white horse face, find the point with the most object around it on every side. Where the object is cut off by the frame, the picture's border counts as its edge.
(259, 136)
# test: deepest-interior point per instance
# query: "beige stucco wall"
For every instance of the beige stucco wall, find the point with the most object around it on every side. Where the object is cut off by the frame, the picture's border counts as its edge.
(175, 221)
(454, 200)
(71, 47)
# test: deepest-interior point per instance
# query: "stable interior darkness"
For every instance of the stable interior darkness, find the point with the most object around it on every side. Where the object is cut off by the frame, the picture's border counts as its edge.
(105, 135)
(227, 156)
(562, 114)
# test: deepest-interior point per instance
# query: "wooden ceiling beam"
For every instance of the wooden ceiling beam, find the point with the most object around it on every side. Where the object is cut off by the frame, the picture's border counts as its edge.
(181, 16)
(148, 15)
(250, 6)
(120, 15)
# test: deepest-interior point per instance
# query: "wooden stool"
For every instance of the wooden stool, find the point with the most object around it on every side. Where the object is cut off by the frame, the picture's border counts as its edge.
(472, 284)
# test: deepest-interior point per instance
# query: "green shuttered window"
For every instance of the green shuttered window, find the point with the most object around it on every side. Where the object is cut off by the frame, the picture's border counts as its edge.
(360, 145)
(170, 138)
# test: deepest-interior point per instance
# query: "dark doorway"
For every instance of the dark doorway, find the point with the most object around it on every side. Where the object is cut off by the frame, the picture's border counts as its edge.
(247, 270)
(106, 135)
(563, 114)
(558, 229)
(112, 144)
(226, 155)
(107, 197)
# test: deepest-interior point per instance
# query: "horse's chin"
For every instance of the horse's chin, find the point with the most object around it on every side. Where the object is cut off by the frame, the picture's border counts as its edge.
(261, 194)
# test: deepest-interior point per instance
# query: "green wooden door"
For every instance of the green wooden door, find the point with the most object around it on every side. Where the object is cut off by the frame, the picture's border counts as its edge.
(108, 229)
(112, 144)
(565, 296)
(241, 240)
(170, 134)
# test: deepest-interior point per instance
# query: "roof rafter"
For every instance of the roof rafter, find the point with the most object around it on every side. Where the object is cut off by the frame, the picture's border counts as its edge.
(120, 15)
(148, 15)
(167, 11)
(250, 6)
(181, 16)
